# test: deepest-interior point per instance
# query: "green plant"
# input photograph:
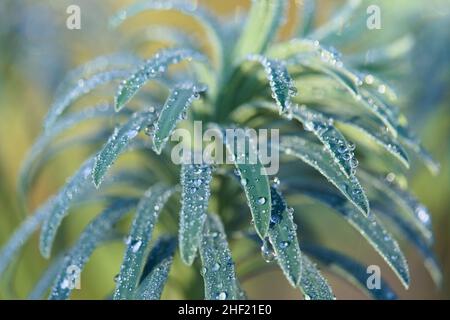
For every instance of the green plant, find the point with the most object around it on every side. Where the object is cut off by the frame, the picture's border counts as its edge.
(228, 88)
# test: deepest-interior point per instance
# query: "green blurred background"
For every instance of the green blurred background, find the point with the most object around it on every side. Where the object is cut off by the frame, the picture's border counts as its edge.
(36, 50)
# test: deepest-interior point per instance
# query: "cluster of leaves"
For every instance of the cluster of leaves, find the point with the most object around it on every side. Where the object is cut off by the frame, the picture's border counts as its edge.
(252, 82)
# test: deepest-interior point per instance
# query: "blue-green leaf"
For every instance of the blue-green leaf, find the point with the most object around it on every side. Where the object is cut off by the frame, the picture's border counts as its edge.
(264, 19)
(376, 133)
(195, 184)
(93, 235)
(218, 267)
(337, 21)
(410, 208)
(82, 87)
(313, 155)
(313, 284)
(152, 68)
(350, 270)
(65, 123)
(253, 177)
(78, 184)
(117, 143)
(156, 269)
(334, 142)
(411, 234)
(371, 229)
(46, 280)
(173, 111)
(200, 14)
(147, 213)
(307, 12)
(280, 81)
(283, 237)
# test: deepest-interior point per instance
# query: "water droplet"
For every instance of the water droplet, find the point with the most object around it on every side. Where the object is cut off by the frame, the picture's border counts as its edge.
(267, 251)
(136, 245)
(284, 244)
(215, 267)
(222, 295)
(262, 200)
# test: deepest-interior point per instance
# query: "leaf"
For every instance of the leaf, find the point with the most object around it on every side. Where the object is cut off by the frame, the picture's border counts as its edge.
(89, 139)
(77, 185)
(152, 286)
(173, 111)
(313, 155)
(407, 137)
(280, 81)
(371, 229)
(264, 19)
(253, 177)
(313, 285)
(411, 209)
(28, 227)
(147, 213)
(65, 123)
(163, 249)
(415, 239)
(46, 280)
(82, 87)
(117, 142)
(350, 270)
(195, 183)
(152, 68)
(369, 128)
(218, 267)
(337, 21)
(307, 14)
(283, 237)
(99, 64)
(156, 270)
(208, 21)
(93, 235)
(338, 147)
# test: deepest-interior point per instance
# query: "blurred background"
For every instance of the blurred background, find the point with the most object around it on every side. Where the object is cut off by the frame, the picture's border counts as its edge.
(37, 50)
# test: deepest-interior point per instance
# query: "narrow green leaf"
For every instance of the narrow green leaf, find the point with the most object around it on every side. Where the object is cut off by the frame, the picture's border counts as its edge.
(370, 128)
(408, 138)
(163, 249)
(307, 12)
(147, 213)
(93, 235)
(313, 285)
(411, 234)
(372, 230)
(337, 22)
(218, 267)
(410, 208)
(195, 184)
(283, 237)
(78, 184)
(350, 270)
(152, 68)
(334, 142)
(82, 87)
(208, 21)
(43, 141)
(46, 280)
(156, 269)
(313, 155)
(253, 177)
(152, 286)
(117, 143)
(280, 81)
(264, 19)
(173, 111)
